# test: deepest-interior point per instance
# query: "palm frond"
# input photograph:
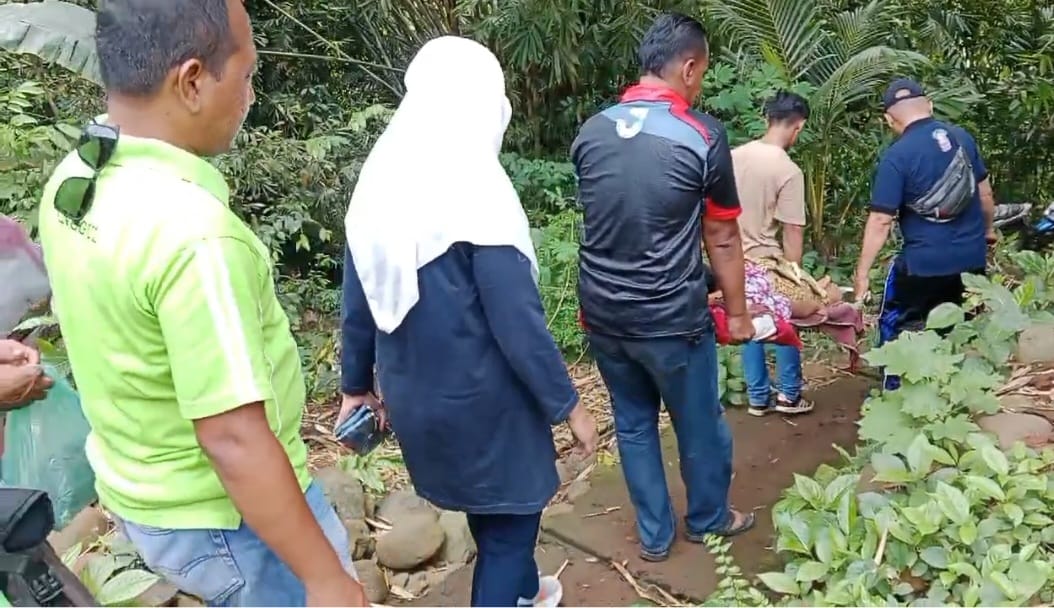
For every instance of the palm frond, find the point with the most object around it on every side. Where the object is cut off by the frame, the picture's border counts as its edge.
(787, 33)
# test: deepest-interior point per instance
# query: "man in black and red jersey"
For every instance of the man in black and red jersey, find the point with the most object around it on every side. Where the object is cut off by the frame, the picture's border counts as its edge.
(656, 184)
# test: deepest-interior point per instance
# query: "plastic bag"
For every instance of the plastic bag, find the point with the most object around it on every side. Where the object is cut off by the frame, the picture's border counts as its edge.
(44, 450)
(21, 273)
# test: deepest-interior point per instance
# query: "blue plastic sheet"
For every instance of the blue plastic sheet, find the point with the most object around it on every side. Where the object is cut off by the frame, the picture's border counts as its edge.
(44, 450)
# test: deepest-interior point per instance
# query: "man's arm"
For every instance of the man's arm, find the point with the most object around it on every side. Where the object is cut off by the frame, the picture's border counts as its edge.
(721, 237)
(988, 208)
(208, 305)
(984, 186)
(790, 212)
(793, 242)
(886, 198)
(875, 234)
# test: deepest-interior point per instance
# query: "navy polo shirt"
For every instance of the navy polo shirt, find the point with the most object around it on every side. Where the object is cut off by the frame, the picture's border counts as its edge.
(906, 171)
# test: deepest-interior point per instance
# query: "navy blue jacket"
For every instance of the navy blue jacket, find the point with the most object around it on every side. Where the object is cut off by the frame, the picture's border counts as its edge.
(472, 380)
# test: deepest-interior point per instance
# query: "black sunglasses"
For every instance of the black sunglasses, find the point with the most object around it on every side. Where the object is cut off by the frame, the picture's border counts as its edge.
(75, 195)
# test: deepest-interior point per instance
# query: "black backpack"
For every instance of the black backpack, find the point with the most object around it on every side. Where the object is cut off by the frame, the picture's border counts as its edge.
(31, 573)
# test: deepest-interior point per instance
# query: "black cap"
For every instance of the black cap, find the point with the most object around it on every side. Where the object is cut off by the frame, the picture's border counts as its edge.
(899, 90)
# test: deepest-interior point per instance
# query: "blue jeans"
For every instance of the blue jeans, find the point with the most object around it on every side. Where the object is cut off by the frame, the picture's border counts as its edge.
(233, 567)
(682, 374)
(756, 372)
(505, 569)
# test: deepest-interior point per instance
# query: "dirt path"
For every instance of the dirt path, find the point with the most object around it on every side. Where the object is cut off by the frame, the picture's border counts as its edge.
(768, 451)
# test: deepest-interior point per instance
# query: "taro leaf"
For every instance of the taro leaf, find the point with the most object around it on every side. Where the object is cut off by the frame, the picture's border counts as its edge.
(944, 316)
(923, 401)
(952, 503)
(885, 423)
(811, 571)
(125, 587)
(935, 556)
(985, 487)
(780, 582)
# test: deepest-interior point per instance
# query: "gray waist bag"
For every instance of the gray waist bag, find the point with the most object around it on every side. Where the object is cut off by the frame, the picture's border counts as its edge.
(952, 193)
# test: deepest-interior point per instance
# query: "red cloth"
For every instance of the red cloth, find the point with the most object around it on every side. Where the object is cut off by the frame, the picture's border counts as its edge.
(843, 322)
(785, 333)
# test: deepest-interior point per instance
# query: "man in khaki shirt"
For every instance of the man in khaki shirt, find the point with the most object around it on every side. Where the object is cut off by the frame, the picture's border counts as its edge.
(772, 194)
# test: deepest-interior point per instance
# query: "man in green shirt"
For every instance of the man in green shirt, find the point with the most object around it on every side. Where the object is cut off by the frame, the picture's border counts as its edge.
(184, 360)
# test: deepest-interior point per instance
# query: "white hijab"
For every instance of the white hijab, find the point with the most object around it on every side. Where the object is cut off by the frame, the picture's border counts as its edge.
(433, 178)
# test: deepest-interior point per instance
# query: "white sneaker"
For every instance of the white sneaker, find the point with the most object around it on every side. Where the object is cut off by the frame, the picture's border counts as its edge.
(550, 593)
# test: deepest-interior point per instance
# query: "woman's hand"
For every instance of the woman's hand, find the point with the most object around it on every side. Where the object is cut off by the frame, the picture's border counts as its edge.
(350, 403)
(584, 428)
(22, 384)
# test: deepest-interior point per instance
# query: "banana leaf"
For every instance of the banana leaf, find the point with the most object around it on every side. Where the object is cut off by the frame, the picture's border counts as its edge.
(57, 32)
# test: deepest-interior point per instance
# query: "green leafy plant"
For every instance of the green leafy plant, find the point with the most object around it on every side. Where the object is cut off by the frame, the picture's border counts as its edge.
(111, 570)
(941, 515)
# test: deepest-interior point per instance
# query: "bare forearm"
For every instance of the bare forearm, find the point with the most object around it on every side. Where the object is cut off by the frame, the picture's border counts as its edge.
(875, 234)
(793, 243)
(725, 250)
(987, 203)
(256, 473)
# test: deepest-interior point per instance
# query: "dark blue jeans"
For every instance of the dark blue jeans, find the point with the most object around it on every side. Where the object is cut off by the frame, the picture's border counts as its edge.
(505, 568)
(682, 374)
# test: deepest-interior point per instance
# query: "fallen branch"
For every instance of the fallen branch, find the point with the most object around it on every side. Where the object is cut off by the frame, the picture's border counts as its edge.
(662, 599)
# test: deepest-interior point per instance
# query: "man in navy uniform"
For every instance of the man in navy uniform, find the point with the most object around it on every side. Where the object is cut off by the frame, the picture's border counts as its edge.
(933, 180)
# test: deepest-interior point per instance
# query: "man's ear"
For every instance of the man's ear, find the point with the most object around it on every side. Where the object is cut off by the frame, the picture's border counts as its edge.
(890, 121)
(189, 84)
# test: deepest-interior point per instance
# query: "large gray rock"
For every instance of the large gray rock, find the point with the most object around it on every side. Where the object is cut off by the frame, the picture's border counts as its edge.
(344, 492)
(411, 542)
(458, 545)
(372, 580)
(359, 539)
(404, 504)
(1036, 344)
(1009, 428)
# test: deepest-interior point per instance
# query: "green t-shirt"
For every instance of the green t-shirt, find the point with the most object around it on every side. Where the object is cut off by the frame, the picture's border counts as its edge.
(167, 306)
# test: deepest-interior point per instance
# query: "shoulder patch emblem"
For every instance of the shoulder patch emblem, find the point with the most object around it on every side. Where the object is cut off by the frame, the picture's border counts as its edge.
(626, 129)
(941, 136)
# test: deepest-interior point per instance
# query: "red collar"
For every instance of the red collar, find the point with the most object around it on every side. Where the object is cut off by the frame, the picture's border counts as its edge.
(654, 92)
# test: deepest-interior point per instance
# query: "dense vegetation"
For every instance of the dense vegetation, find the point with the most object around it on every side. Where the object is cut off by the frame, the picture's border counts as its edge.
(970, 524)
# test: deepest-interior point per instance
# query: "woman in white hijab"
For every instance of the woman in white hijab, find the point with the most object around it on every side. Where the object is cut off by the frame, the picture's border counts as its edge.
(440, 296)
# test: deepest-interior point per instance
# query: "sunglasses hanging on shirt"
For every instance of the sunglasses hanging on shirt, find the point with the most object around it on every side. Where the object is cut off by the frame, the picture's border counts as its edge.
(95, 148)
